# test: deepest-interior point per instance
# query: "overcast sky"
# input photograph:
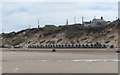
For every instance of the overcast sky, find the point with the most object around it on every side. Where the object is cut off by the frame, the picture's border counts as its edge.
(19, 15)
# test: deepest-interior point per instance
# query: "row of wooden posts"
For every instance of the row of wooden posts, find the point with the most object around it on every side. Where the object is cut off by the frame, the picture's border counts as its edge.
(90, 45)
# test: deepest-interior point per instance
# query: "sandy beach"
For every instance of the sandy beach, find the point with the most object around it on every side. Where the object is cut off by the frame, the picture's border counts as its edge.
(80, 61)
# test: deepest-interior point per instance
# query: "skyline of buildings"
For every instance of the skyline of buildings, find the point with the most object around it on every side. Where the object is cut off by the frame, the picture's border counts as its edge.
(19, 15)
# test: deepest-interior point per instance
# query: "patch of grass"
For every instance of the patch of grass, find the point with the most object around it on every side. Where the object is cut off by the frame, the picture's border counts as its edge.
(71, 31)
(49, 30)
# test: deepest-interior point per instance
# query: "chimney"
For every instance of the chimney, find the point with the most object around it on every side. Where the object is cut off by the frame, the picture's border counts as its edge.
(82, 20)
(67, 22)
(74, 20)
(38, 24)
(102, 18)
(118, 19)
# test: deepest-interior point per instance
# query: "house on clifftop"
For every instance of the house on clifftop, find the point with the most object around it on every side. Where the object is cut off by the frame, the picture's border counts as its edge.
(98, 21)
(95, 21)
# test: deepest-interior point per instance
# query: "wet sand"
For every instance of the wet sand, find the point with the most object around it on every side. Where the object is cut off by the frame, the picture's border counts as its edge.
(59, 62)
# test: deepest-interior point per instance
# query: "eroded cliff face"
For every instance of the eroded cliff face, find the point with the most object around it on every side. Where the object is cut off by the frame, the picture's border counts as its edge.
(70, 34)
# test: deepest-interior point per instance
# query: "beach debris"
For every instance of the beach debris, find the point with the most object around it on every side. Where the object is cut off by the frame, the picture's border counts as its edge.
(117, 51)
(16, 69)
(53, 50)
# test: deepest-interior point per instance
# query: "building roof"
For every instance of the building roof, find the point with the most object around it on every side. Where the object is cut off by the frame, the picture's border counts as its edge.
(87, 22)
(99, 20)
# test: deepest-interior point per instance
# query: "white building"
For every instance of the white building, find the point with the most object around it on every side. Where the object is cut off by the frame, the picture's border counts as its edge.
(86, 23)
(94, 22)
(98, 21)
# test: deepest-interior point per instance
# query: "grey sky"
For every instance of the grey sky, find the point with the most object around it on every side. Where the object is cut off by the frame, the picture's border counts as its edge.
(18, 16)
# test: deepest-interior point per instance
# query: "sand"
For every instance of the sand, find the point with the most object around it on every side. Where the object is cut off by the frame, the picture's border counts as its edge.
(59, 62)
(61, 49)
